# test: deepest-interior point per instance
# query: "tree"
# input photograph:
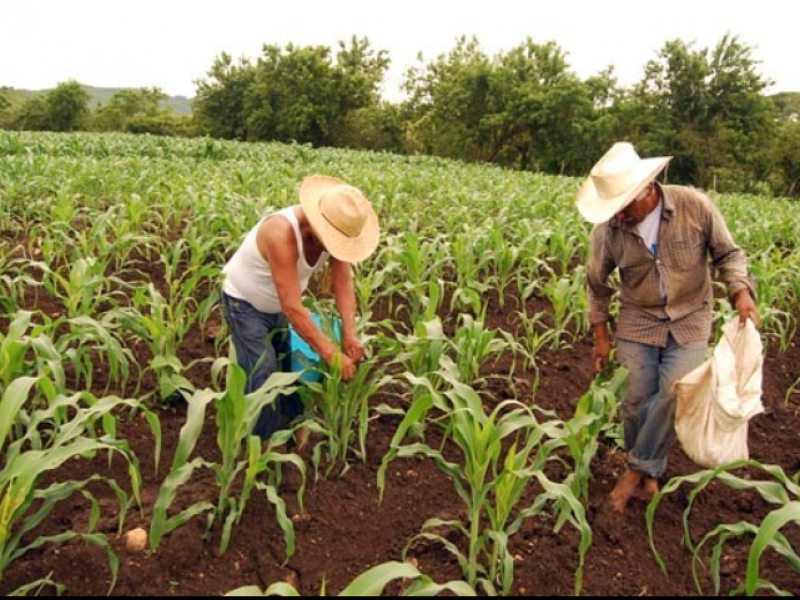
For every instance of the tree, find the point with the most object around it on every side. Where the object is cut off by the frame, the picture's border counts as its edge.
(5, 104)
(300, 94)
(31, 115)
(128, 105)
(449, 100)
(360, 73)
(524, 108)
(67, 107)
(378, 128)
(789, 157)
(544, 111)
(290, 94)
(220, 105)
(706, 108)
(788, 105)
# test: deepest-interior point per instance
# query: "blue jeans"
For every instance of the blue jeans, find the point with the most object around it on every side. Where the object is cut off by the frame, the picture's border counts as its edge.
(261, 341)
(649, 405)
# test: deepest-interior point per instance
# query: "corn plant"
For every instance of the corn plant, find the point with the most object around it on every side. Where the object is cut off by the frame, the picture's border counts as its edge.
(85, 290)
(473, 345)
(241, 452)
(535, 337)
(793, 390)
(422, 352)
(25, 350)
(568, 298)
(24, 504)
(15, 281)
(154, 321)
(779, 490)
(596, 416)
(29, 349)
(90, 341)
(502, 454)
(504, 259)
(341, 412)
(371, 584)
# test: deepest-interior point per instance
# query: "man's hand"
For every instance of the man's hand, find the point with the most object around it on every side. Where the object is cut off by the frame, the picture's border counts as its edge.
(746, 307)
(348, 365)
(602, 348)
(353, 348)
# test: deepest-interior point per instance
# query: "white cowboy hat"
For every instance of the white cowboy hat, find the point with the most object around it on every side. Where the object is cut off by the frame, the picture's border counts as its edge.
(615, 182)
(342, 218)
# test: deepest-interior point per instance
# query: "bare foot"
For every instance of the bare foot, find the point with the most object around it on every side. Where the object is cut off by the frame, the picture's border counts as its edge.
(647, 489)
(626, 487)
(650, 486)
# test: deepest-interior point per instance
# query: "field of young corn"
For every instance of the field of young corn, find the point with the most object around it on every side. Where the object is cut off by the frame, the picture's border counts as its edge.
(472, 453)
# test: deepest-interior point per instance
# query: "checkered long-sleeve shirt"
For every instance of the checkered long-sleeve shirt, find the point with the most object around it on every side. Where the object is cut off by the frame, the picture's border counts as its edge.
(691, 230)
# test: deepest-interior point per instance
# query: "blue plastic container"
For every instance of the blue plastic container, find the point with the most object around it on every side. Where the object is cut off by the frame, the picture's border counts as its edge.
(304, 356)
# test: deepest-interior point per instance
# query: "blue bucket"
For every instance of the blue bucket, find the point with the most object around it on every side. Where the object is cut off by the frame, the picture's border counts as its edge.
(304, 356)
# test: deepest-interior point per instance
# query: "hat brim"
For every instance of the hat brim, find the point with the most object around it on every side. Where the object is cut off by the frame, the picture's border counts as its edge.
(596, 209)
(338, 245)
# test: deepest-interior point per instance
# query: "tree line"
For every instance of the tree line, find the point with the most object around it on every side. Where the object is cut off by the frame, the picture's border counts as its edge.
(522, 109)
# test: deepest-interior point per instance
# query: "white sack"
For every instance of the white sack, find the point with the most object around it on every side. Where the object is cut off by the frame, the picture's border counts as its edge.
(716, 400)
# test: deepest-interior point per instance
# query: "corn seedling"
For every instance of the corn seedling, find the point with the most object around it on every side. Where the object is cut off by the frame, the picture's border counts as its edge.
(24, 505)
(595, 417)
(779, 490)
(371, 584)
(341, 412)
(241, 451)
(501, 454)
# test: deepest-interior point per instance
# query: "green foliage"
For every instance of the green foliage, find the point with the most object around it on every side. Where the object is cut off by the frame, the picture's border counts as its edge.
(220, 103)
(500, 455)
(777, 489)
(371, 584)
(379, 127)
(788, 105)
(67, 107)
(31, 115)
(37, 441)
(242, 454)
(296, 94)
(706, 108)
(127, 105)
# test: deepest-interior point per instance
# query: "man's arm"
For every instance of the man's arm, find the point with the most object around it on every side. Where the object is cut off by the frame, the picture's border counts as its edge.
(345, 295)
(276, 242)
(599, 293)
(731, 262)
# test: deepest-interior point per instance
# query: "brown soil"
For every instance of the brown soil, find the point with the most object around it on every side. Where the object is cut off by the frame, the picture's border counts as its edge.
(345, 530)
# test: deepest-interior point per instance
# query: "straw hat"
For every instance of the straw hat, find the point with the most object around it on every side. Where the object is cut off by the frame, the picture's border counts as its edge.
(615, 182)
(342, 218)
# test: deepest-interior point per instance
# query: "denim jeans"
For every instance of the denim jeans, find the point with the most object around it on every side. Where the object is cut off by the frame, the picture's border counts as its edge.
(261, 341)
(649, 405)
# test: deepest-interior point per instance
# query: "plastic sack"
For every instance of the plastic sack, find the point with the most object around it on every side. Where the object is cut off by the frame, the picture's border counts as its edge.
(716, 400)
(304, 357)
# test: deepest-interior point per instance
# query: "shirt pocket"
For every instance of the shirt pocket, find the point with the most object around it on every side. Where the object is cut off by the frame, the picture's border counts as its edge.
(687, 254)
(635, 264)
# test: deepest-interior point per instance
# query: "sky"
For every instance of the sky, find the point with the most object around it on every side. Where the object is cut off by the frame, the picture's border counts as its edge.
(170, 45)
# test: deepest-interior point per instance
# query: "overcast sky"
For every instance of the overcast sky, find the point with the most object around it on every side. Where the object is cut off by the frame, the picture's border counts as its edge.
(169, 44)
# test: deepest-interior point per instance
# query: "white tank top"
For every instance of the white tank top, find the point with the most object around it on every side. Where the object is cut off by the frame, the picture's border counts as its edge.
(248, 276)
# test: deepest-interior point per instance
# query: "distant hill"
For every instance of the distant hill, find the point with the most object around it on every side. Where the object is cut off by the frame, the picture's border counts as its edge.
(181, 105)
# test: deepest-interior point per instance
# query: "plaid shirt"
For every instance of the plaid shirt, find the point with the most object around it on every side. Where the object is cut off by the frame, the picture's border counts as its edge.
(691, 229)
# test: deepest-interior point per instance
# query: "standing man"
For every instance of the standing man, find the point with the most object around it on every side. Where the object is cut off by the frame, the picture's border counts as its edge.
(265, 280)
(660, 238)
